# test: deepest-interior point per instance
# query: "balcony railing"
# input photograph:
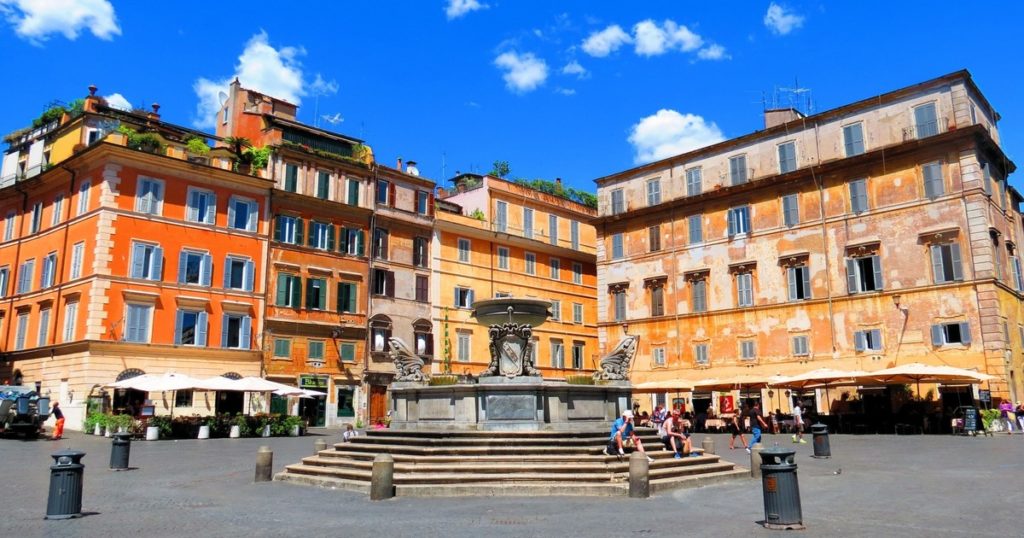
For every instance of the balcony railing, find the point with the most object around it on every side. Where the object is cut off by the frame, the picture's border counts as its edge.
(926, 129)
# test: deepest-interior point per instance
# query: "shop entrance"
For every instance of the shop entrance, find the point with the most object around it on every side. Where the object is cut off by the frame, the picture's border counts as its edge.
(229, 402)
(314, 410)
(346, 401)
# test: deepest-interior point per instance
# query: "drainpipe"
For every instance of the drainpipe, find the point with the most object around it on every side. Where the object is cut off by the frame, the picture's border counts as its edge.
(59, 276)
(820, 182)
(267, 264)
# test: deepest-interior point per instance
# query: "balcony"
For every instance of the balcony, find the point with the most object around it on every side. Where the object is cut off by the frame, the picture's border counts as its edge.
(926, 129)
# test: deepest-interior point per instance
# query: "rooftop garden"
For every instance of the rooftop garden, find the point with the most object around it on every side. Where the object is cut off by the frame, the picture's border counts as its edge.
(502, 170)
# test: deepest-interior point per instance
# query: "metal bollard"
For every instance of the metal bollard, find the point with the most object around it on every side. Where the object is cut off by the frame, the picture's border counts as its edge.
(319, 445)
(264, 464)
(708, 444)
(65, 498)
(781, 490)
(639, 476)
(822, 448)
(382, 477)
(755, 460)
(120, 451)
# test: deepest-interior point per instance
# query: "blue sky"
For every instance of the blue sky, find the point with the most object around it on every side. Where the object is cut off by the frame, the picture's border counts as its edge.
(575, 90)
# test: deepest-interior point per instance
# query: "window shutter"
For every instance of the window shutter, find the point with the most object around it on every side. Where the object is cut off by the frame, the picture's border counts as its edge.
(806, 272)
(311, 236)
(296, 292)
(132, 323)
(311, 299)
(201, 324)
(248, 275)
(937, 339)
(227, 272)
(250, 223)
(859, 342)
(231, 214)
(206, 272)
(391, 194)
(876, 263)
(732, 222)
(211, 209)
(851, 276)
(699, 299)
(157, 264)
(224, 331)
(876, 338)
(958, 272)
(177, 327)
(282, 290)
(342, 297)
(245, 339)
(44, 276)
(352, 294)
(965, 333)
(330, 237)
(138, 263)
(277, 227)
(361, 243)
(471, 301)
(343, 240)
(937, 271)
(791, 275)
(182, 262)
(300, 226)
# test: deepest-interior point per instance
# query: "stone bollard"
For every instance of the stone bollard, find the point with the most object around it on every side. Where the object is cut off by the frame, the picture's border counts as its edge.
(319, 445)
(264, 464)
(382, 477)
(755, 460)
(639, 477)
(708, 444)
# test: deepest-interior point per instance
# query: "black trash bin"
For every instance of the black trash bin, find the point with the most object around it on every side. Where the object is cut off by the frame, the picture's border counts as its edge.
(65, 499)
(822, 449)
(781, 489)
(120, 451)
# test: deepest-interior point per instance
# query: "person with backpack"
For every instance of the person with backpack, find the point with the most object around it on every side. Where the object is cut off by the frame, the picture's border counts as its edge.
(622, 433)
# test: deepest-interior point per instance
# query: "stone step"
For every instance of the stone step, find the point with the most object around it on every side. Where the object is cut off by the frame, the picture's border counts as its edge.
(508, 458)
(489, 434)
(323, 481)
(698, 480)
(465, 441)
(413, 446)
(505, 489)
(506, 466)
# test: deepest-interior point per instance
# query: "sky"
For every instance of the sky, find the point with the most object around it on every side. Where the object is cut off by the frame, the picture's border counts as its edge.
(576, 90)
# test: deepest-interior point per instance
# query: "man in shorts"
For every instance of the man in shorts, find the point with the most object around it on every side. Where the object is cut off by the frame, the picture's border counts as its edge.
(674, 436)
(622, 432)
(798, 424)
(756, 423)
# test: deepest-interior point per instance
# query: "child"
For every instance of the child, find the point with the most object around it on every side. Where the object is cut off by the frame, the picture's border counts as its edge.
(350, 432)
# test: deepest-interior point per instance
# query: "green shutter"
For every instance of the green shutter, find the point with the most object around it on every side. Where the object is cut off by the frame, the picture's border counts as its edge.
(348, 352)
(296, 292)
(300, 227)
(361, 243)
(330, 237)
(277, 227)
(282, 290)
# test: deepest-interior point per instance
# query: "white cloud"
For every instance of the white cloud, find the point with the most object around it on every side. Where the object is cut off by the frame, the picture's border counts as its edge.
(458, 8)
(118, 101)
(605, 42)
(653, 40)
(574, 68)
(323, 87)
(523, 72)
(566, 91)
(667, 133)
(261, 67)
(35, 20)
(782, 21)
(713, 51)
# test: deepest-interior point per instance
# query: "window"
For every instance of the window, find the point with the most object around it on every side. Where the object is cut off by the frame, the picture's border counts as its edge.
(574, 234)
(946, 266)
(227, 113)
(527, 222)
(77, 253)
(553, 228)
(315, 351)
(137, 323)
(423, 288)
(383, 283)
(700, 354)
(464, 247)
(323, 185)
(9, 226)
(738, 169)
(235, 331)
(739, 221)
(853, 139)
(799, 279)
(858, 195)
(383, 190)
(934, 186)
(238, 273)
(83, 197)
(556, 268)
(658, 355)
(618, 202)
(58, 210)
(531, 263)
(70, 320)
(578, 350)
(790, 210)
(420, 255)
(557, 354)
(694, 182)
(380, 332)
(800, 346)
(147, 261)
(925, 122)
(353, 192)
(347, 353)
(556, 310)
(424, 340)
(868, 340)
(698, 295)
(619, 297)
(347, 295)
(37, 217)
(503, 258)
(242, 214)
(288, 229)
(202, 206)
(291, 177)
(28, 267)
(44, 327)
(316, 294)
(653, 192)
(183, 398)
(423, 202)
(863, 274)
(501, 216)
(190, 328)
(5, 277)
(617, 247)
(658, 300)
(1018, 282)
(577, 273)
(289, 291)
(282, 348)
(577, 312)
(465, 346)
(321, 235)
(194, 268)
(696, 229)
(19, 336)
(352, 240)
(744, 289)
(463, 297)
(47, 276)
(654, 238)
(149, 196)
(986, 176)
(787, 157)
(380, 243)
(748, 350)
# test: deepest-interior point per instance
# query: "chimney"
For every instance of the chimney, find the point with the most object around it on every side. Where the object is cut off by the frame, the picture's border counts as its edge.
(778, 116)
(558, 181)
(92, 100)
(155, 114)
(411, 169)
(399, 165)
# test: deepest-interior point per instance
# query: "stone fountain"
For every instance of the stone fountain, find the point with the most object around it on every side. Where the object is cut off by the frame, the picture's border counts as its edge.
(510, 394)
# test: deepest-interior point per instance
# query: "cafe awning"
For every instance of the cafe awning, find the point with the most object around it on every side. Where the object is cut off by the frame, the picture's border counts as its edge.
(667, 385)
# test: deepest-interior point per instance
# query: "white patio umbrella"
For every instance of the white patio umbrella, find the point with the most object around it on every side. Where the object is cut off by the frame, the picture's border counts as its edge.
(823, 377)
(158, 383)
(301, 393)
(667, 385)
(916, 373)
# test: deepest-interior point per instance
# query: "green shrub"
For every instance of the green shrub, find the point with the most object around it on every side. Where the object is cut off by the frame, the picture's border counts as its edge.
(579, 380)
(163, 424)
(197, 146)
(988, 416)
(441, 380)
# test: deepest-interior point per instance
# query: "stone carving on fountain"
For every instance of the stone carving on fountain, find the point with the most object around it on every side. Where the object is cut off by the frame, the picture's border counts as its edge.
(408, 365)
(615, 365)
(511, 351)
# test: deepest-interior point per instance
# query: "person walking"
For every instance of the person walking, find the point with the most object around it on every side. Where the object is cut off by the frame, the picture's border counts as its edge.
(756, 423)
(798, 424)
(1020, 414)
(58, 428)
(736, 430)
(1005, 407)
(622, 432)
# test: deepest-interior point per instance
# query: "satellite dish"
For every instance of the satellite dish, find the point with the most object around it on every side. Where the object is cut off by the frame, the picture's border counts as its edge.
(223, 98)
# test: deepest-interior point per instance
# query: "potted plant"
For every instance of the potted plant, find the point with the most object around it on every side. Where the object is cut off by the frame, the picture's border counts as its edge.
(238, 145)
(293, 426)
(204, 428)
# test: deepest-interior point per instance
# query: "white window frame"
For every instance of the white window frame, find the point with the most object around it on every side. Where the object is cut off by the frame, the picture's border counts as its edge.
(77, 259)
(253, 207)
(654, 191)
(157, 208)
(577, 313)
(556, 310)
(58, 208)
(464, 343)
(557, 354)
(192, 212)
(503, 258)
(70, 321)
(658, 356)
(577, 273)
(530, 263)
(465, 248)
(83, 197)
(555, 270)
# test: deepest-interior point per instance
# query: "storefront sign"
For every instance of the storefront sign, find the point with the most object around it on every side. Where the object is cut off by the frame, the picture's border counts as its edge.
(985, 396)
(970, 419)
(313, 381)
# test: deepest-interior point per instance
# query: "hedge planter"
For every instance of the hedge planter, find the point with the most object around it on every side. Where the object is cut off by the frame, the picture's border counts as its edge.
(97, 430)
(152, 433)
(204, 432)
(236, 432)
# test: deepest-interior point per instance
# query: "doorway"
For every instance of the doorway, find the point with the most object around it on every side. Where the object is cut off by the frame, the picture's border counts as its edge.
(378, 403)
(313, 411)
(229, 402)
(128, 401)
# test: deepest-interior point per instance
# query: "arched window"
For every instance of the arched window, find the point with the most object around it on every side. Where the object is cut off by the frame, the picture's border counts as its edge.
(422, 330)
(232, 375)
(380, 332)
(129, 373)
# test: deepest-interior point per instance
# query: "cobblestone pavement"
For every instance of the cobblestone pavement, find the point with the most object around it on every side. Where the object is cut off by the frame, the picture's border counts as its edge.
(907, 486)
